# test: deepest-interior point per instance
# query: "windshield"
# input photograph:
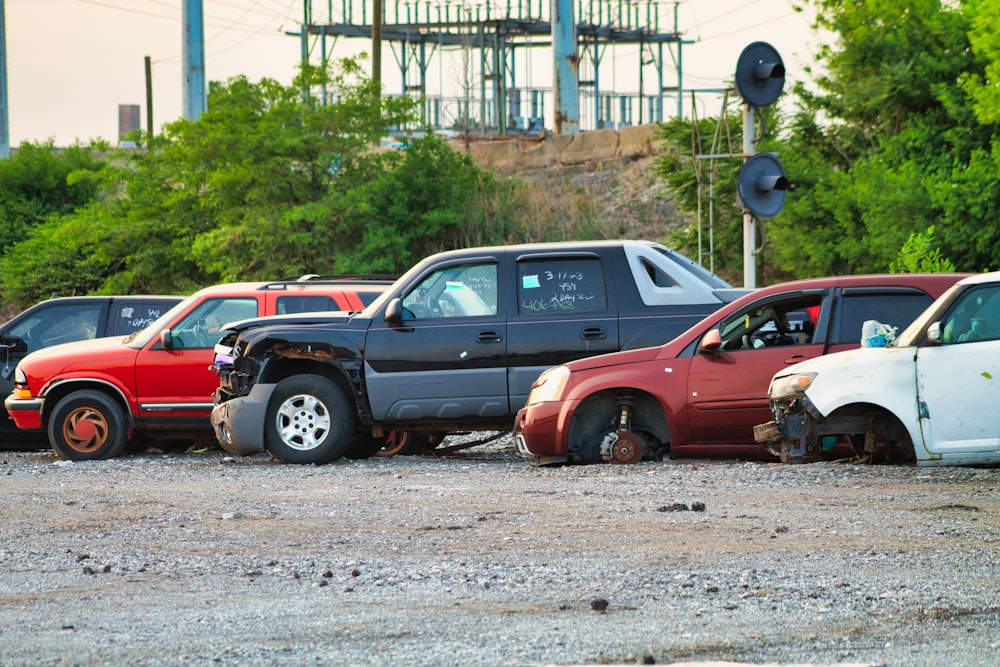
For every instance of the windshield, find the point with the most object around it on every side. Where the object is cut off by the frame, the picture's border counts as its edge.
(918, 327)
(141, 337)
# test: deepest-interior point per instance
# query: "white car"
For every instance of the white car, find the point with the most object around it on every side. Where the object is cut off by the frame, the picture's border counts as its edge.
(932, 396)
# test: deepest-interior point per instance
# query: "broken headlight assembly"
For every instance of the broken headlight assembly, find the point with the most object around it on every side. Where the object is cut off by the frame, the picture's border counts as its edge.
(790, 386)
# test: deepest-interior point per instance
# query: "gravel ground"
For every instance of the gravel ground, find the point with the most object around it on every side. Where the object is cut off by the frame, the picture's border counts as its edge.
(479, 558)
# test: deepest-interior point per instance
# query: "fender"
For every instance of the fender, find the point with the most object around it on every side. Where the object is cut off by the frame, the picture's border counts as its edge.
(880, 376)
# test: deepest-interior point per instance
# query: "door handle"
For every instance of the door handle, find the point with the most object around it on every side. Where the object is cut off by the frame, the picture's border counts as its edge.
(593, 333)
(489, 337)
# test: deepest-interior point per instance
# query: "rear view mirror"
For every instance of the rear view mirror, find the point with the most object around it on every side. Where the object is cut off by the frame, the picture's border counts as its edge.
(934, 333)
(166, 339)
(394, 312)
(13, 344)
(710, 342)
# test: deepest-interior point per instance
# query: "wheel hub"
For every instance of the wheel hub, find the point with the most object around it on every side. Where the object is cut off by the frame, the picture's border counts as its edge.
(622, 447)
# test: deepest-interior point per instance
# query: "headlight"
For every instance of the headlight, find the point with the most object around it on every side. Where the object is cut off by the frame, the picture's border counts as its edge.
(550, 385)
(790, 385)
(19, 376)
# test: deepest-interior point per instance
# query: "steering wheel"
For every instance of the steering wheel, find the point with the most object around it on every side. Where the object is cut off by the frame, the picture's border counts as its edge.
(206, 331)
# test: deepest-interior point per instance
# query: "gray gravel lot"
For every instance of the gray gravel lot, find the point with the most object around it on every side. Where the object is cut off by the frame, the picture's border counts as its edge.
(479, 558)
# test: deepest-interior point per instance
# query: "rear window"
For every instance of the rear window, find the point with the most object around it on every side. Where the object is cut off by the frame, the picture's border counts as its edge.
(556, 285)
(131, 316)
(291, 305)
(896, 310)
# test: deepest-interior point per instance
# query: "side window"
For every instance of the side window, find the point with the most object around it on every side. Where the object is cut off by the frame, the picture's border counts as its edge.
(561, 286)
(657, 277)
(200, 328)
(895, 310)
(778, 323)
(132, 317)
(59, 324)
(290, 305)
(975, 316)
(466, 290)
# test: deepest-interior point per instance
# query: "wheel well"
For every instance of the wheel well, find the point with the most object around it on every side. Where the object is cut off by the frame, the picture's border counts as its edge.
(597, 415)
(280, 368)
(59, 391)
(864, 419)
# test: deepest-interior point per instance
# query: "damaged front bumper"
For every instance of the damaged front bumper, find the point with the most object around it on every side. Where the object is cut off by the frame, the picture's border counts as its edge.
(239, 421)
(799, 434)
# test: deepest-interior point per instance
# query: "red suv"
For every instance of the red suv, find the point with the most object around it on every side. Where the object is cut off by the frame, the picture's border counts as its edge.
(702, 393)
(94, 396)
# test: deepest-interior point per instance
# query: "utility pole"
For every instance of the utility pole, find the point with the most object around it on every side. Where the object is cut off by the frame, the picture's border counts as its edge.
(4, 127)
(566, 88)
(194, 59)
(377, 45)
(149, 99)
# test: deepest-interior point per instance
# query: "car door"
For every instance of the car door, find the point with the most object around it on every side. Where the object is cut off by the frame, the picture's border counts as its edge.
(727, 389)
(173, 382)
(565, 309)
(446, 359)
(957, 390)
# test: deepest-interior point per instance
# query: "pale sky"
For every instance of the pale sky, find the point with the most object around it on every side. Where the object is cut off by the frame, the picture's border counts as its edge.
(71, 63)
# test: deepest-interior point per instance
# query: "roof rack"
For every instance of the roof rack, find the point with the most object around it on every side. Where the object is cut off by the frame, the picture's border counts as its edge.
(308, 277)
(345, 278)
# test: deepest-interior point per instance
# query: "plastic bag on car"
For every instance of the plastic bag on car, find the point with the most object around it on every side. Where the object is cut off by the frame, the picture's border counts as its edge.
(876, 334)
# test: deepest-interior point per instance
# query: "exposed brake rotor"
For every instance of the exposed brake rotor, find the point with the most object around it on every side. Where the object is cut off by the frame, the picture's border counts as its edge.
(627, 448)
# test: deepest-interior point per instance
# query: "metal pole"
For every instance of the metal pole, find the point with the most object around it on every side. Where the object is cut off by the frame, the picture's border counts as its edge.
(194, 59)
(680, 65)
(566, 85)
(749, 241)
(377, 46)
(4, 126)
(149, 99)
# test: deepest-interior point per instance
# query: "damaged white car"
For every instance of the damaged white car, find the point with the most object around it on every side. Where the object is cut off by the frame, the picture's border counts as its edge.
(931, 396)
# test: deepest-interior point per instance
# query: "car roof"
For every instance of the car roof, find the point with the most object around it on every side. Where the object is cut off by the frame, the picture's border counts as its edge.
(298, 285)
(941, 280)
(935, 283)
(979, 278)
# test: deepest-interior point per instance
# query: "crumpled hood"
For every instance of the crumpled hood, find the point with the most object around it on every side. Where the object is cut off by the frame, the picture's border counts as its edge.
(319, 317)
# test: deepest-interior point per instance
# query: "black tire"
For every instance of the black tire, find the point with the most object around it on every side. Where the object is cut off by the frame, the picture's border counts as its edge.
(87, 426)
(363, 446)
(309, 420)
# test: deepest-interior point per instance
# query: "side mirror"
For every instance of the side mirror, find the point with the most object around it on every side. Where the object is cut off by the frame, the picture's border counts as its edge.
(710, 342)
(13, 344)
(166, 339)
(394, 312)
(934, 333)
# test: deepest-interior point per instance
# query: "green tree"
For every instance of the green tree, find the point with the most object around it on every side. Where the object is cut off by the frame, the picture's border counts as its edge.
(895, 136)
(903, 149)
(258, 171)
(920, 255)
(39, 181)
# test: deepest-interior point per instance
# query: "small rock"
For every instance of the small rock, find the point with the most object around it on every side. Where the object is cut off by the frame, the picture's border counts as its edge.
(598, 604)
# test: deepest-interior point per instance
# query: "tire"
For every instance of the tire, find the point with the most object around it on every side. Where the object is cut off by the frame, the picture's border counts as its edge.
(363, 446)
(88, 426)
(309, 421)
